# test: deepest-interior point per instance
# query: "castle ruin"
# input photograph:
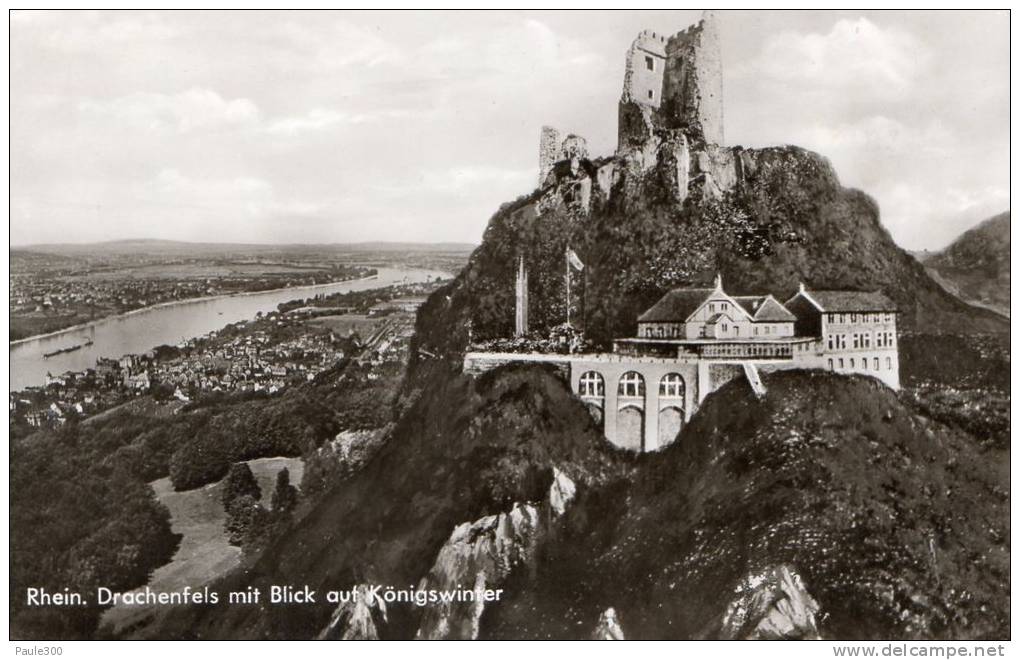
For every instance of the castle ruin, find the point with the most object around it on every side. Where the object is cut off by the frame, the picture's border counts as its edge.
(670, 114)
(676, 82)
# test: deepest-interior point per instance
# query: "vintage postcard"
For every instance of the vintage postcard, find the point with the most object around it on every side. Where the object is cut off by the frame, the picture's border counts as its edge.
(519, 325)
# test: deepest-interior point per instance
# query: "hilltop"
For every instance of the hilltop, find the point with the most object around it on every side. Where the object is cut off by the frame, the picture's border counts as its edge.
(976, 265)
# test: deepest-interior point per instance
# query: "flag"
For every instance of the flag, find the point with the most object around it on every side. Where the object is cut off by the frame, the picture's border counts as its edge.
(574, 260)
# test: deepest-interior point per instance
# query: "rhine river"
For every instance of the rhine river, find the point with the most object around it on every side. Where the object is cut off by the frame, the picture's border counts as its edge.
(144, 329)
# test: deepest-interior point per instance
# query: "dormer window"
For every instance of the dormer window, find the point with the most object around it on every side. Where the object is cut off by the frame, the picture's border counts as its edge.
(649, 64)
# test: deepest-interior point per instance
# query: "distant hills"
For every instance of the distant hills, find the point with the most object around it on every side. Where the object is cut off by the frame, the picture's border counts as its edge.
(159, 246)
(975, 266)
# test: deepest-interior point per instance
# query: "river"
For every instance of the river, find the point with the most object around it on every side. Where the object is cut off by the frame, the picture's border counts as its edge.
(144, 329)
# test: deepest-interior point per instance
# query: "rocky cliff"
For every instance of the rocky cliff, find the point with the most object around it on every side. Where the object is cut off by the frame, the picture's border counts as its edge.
(976, 265)
(666, 211)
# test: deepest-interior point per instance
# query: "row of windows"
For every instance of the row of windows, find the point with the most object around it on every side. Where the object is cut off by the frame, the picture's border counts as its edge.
(861, 317)
(859, 340)
(631, 384)
(841, 363)
(670, 332)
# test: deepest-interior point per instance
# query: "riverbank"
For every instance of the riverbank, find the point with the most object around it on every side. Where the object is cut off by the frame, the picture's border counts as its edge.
(183, 301)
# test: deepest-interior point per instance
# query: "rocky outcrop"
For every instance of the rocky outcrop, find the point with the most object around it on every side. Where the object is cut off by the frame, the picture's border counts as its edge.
(771, 604)
(480, 555)
(358, 619)
(608, 628)
(561, 492)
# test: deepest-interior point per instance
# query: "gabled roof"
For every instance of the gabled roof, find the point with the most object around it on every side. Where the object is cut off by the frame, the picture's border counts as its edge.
(675, 306)
(850, 301)
(773, 311)
(750, 304)
(765, 309)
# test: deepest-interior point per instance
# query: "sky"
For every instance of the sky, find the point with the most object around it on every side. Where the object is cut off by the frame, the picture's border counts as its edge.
(323, 127)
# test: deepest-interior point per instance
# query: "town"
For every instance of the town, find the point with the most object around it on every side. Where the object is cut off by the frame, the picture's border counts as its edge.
(298, 343)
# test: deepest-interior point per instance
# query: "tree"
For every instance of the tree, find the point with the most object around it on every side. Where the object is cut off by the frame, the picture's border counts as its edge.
(285, 495)
(246, 520)
(240, 482)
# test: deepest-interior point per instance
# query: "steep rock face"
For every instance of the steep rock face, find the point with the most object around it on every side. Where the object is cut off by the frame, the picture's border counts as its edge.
(358, 619)
(480, 555)
(608, 628)
(477, 556)
(771, 604)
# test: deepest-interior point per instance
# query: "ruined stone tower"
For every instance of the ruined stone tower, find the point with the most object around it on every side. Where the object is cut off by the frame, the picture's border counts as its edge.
(674, 82)
(551, 150)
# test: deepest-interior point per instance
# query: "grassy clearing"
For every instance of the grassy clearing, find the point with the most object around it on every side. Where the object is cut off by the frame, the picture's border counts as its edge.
(204, 553)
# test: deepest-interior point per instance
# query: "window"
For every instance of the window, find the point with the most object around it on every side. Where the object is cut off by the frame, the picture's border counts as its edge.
(672, 385)
(651, 95)
(831, 344)
(724, 327)
(875, 363)
(631, 384)
(830, 364)
(857, 340)
(756, 331)
(711, 307)
(864, 363)
(736, 330)
(766, 329)
(866, 337)
(592, 384)
(852, 363)
(650, 65)
(888, 363)
(840, 363)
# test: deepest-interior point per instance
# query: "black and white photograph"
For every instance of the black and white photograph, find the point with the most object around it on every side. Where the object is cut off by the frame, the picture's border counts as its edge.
(681, 325)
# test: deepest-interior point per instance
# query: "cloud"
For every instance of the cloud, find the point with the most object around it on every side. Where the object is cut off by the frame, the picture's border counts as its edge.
(459, 180)
(245, 195)
(321, 118)
(878, 135)
(855, 57)
(77, 31)
(192, 110)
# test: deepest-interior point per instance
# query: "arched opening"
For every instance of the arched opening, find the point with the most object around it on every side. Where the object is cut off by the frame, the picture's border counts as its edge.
(632, 384)
(672, 387)
(671, 421)
(630, 428)
(592, 385)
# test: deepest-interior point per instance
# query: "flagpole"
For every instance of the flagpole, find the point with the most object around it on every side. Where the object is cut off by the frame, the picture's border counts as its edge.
(566, 255)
